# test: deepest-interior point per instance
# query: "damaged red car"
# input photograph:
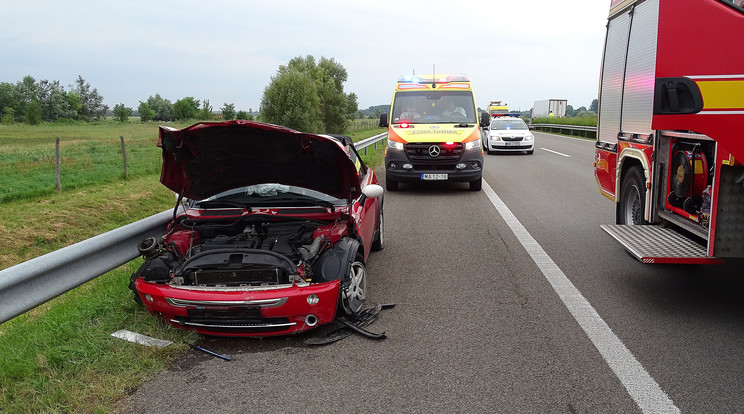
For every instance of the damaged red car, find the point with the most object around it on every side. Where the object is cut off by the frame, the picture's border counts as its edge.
(270, 234)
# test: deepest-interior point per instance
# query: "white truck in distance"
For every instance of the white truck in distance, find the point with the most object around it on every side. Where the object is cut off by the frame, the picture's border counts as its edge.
(542, 109)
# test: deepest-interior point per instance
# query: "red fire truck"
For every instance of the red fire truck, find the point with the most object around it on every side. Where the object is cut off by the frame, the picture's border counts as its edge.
(670, 135)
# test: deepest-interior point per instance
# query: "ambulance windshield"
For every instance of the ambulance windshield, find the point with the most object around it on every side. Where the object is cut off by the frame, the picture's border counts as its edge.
(432, 107)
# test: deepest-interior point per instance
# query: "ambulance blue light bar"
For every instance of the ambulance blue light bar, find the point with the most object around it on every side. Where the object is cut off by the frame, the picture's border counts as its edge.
(433, 79)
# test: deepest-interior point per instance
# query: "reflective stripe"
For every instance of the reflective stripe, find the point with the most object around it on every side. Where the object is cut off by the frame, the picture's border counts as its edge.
(722, 94)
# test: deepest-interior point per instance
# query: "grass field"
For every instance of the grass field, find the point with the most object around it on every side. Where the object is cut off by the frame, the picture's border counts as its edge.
(89, 154)
(581, 121)
(60, 357)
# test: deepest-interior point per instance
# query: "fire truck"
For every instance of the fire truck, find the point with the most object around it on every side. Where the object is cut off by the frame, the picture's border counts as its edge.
(670, 133)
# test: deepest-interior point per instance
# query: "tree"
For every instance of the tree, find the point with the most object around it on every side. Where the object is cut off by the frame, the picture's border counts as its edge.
(32, 115)
(594, 106)
(53, 100)
(376, 114)
(92, 103)
(228, 111)
(352, 106)
(185, 108)
(74, 103)
(291, 99)
(145, 113)
(321, 107)
(205, 113)
(122, 113)
(244, 115)
(8, 116)
(161, 107)
(570, 111)
(9, 99)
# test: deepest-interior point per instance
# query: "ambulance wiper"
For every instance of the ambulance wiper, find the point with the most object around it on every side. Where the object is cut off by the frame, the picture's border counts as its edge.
(463, 125)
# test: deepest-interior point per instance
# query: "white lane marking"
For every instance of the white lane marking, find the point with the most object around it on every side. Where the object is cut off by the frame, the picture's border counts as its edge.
(556, 152)
(639, 384)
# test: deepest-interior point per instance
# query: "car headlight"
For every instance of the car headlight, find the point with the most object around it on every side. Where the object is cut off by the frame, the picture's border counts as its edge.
(472, 145)
(529, 138)
(495, 137)
(395, 145)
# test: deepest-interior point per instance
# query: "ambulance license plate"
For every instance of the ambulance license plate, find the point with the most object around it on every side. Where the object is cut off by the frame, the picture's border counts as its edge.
(434, 177)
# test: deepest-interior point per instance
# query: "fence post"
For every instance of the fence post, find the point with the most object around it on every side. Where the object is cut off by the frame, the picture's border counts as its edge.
(124, 155)
(56, 164)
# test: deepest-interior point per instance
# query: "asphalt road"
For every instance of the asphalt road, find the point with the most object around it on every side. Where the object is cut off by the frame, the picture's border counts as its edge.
(479, 325)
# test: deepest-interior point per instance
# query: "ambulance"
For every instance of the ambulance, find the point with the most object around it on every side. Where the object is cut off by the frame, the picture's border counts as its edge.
(434, 132)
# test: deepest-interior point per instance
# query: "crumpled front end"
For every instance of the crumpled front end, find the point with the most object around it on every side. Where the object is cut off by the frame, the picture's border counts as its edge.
(248, 275)
(276, 310)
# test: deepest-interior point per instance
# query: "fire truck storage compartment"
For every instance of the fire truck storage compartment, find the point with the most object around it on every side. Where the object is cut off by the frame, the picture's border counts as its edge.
(686, 173)
(688, 188)
(689, 177)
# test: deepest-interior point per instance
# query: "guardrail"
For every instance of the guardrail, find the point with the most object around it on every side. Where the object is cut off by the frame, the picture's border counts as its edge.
(36, 281)
(571, 129)
(365, 143)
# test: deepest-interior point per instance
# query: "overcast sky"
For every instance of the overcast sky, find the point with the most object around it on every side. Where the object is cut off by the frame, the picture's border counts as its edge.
(518, 51)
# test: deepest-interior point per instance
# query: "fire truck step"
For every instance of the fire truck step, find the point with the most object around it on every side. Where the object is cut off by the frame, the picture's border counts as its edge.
(656, 244)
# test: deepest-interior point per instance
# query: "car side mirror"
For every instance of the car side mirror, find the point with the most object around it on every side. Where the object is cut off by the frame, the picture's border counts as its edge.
(371, 191)
(485, 119)
(383, 120)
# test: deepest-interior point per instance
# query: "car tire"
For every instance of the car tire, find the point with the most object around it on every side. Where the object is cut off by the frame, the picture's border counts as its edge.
(476, 185)
(391, 185)
(530, 152)
(378, 243)
(353, 296)
(632, 198)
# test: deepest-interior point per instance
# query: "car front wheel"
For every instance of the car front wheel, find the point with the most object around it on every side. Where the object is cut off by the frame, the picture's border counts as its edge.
(354, 295)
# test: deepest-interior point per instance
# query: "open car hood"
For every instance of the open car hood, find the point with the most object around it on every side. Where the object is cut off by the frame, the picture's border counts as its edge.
(208, 158)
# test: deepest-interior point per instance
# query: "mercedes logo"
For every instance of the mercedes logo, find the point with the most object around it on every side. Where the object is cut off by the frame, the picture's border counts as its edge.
(434, 151)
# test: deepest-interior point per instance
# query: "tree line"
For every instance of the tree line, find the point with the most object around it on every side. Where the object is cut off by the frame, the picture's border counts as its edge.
(305, 94)
(32, 102)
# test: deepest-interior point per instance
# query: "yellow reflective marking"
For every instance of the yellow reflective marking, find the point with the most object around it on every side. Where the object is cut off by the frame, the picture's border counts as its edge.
(722, 94)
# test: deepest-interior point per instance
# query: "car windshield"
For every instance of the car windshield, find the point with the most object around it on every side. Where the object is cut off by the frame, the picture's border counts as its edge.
(430, 107)
(267, 195)
(515, 123)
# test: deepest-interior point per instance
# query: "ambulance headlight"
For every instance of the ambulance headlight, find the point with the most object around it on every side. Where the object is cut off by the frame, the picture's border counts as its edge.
(395, 145)
(472, 145)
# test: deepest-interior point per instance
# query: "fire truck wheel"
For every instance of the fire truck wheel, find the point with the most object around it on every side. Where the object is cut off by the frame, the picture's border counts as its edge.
(632, 198)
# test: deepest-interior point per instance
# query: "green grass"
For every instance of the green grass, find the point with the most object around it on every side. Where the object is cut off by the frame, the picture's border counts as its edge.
(60, 357)
(89, 155)
(581, 121)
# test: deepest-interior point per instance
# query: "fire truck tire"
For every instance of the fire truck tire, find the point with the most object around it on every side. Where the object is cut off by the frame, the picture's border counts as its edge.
(632, 198)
